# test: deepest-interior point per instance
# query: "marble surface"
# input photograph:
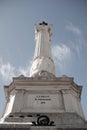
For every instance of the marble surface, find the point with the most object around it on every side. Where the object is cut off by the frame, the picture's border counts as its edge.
(42, 57)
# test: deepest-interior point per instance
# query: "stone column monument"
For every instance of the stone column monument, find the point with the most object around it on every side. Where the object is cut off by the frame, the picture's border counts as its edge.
(43, 62)
(43, 101)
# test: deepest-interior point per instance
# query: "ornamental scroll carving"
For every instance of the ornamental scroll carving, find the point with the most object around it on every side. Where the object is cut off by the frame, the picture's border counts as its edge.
(43, 120)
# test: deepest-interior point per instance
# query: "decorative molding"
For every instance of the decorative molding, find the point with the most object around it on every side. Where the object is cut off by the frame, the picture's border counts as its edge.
(44, 75)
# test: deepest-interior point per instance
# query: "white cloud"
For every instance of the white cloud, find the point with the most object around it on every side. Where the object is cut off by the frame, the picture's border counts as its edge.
(62, 57)
(61, 52)
(6, 70)
(73, 29)
(24, 71)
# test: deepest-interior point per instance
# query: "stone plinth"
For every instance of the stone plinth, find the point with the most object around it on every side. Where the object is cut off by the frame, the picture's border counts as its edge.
(56, 98)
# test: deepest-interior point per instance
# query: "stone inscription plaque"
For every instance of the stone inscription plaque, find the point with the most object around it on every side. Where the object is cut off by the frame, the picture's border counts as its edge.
(42, 99)
(41, 102)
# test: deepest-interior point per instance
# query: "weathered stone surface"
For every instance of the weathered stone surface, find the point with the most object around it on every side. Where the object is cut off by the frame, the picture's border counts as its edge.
(42, 58)
(32, 95)
(58, 118)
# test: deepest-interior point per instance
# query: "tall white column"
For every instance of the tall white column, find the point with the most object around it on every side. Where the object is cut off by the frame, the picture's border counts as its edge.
(43, 61)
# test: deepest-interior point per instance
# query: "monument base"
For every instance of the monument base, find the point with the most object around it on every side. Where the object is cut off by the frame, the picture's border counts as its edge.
(47, 121)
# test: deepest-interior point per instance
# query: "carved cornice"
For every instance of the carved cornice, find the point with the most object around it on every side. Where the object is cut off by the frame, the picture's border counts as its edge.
(42, 80)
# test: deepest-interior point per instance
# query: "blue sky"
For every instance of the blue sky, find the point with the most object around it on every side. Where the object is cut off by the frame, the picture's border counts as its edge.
(69, 39)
